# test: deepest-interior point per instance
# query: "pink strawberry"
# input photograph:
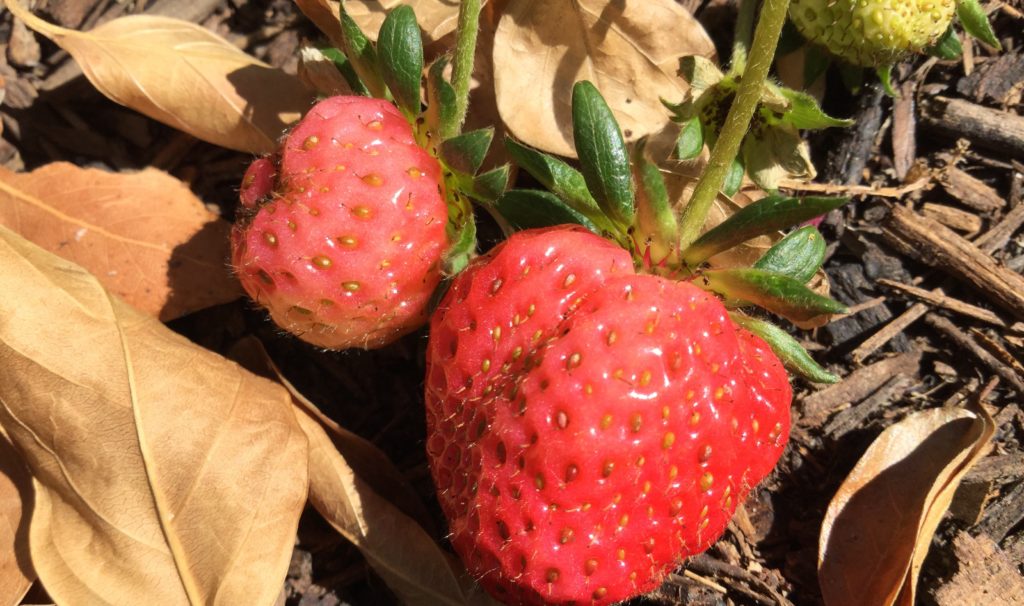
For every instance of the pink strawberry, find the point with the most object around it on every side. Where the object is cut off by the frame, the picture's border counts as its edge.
(341, 234)
(590, 427)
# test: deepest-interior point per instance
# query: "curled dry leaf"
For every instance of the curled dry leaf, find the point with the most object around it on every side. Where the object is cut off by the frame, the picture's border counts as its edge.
(145, 235)
(16, 498)
(184, 76)
(629, 49)
(880, 523)
(401, 552)
(161, 469)
(319, 73)
(437, 18)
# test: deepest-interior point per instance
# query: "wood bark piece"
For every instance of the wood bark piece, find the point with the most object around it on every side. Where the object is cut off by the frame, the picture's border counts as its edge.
(888, 331)
(953, 218)
(938, 246)
(991, 128)
(971, 191)
(855, 416)
(1005, 512)
(938, 299)
(986, 575)
(964, 341)
(997, 237)
(860, 384)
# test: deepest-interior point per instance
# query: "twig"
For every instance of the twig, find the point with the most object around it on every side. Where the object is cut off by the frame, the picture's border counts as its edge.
(888, 332)
(940, 299)
(965, 341)
(707, 565)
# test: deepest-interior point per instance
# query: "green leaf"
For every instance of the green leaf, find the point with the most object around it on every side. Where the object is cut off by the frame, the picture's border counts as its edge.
(799, 255)
(788, 349)
(565, 181)
(466, 152)
(691, 140)
(762, 217)
(885, 75)
(602, 153)
(344, 66)
(733, 180)
(441, 102)
(777, 293)
(359, 51)
(805, 114)
(463, 249)
(400, 49)
(948, 47)
(491, 184)
(530, 208)
(656, 223)
(972, 16)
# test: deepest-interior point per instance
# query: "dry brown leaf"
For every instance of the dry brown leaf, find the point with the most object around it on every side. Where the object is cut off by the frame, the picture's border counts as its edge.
(437, 18)
(161, 469)
(145, 235)
(880, 523)
(401, 552)
(184, 76)
(321, 74)
(324, 15)
(16, 574)
(629, 49)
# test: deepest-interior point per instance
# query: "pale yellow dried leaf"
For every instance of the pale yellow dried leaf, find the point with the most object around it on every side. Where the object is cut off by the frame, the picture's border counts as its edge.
(319, 73)
(324, 14)
(145, 235)
(880, 523)
(436, 18)
(400, 551)
(185, 76)
(630, 49)
(16, 573)
(163, 472)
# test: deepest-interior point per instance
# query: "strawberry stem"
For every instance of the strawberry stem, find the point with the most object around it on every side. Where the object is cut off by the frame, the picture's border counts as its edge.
(762, 53)
(462, 63)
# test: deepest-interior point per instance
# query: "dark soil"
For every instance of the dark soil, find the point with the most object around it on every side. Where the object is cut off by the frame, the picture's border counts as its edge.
(769, 554)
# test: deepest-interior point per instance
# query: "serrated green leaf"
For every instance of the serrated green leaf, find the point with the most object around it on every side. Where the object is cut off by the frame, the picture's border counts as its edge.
(441, 111)
(463, 249)
(491, 184)
(975, 22)
(700, 73)
(691, 139)
(565, 181)
(529, 208)
(466, 152)
(773, 153)
(602, 153)
(777, 293)
(799, 255)
(788, 349)
(400, 50)
(805, 114)
(344, 66)
(360, 52)
(948, 47)
(656, 223)
(762, 217)
(733, 180)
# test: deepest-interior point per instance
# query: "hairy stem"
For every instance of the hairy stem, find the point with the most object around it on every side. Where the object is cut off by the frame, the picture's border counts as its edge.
(762, 52)
(462, 63)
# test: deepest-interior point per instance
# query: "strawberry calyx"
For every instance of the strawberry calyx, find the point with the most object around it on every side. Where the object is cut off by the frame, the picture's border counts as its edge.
(621, 195)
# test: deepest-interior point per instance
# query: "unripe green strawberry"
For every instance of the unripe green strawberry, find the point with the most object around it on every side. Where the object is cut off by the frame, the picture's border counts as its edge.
(873, 33)
(588, 427)
(340, 236)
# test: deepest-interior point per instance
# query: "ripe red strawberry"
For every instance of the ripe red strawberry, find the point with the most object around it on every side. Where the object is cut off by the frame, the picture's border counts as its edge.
(341, 234)
(590, 427)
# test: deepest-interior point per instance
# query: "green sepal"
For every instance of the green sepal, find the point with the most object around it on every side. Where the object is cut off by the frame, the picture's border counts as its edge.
(691, 139)
(490, 185)
(805, 113)
(602, 153)
(463, 248)
(778, 293)
(360, 52)
(565, 181)
(948, 46)
(975, 22)
(733, 180)
(788, 349)
(344, 66)
(465, 153)
(441, 101)
(400, 53)
(656, 223)
(762, 217)
(531, 208)
(799, 255)
(885, 75)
